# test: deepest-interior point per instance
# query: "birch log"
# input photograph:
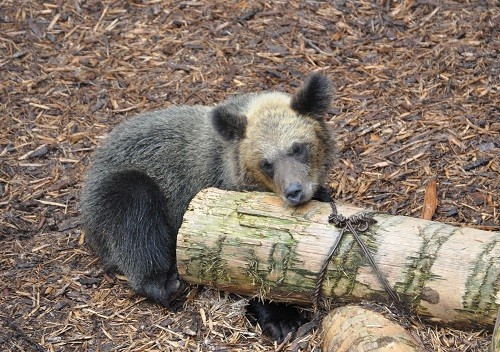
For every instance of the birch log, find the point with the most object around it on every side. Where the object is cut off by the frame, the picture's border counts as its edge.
(249, 243)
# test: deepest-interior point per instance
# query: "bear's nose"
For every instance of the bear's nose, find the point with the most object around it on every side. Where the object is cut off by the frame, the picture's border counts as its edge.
(294, 193)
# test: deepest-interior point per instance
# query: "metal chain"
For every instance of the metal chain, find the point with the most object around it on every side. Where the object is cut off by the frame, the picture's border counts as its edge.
(354, 224)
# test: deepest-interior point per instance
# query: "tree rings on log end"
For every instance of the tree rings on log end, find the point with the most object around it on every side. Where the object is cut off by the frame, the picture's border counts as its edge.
(352, 328)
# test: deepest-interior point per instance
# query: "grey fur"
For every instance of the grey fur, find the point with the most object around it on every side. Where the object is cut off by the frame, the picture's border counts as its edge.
(178, 148)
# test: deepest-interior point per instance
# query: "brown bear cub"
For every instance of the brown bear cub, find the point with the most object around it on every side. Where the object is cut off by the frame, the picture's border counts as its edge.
(150, 167)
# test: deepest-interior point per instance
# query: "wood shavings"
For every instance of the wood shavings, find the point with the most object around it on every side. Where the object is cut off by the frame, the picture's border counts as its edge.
(416, 98)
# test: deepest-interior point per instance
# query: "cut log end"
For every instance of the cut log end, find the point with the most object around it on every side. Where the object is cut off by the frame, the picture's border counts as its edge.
(352, 328)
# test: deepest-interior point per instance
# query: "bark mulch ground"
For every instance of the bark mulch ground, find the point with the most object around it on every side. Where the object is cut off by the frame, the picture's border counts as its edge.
(417, 101)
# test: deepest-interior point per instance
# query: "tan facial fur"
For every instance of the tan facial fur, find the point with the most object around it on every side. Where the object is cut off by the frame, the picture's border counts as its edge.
(272, 129)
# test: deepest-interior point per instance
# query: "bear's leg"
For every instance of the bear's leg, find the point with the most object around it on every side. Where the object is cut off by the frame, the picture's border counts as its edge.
(131, 222)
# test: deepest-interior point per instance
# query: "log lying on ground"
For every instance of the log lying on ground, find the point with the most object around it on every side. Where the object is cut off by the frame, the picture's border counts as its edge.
(249, 243)
(352, 328)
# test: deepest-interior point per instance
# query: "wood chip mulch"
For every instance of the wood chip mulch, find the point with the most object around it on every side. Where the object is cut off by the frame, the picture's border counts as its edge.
(417, 102)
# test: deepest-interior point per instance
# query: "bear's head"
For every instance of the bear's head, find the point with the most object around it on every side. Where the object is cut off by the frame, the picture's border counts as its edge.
(283, 142)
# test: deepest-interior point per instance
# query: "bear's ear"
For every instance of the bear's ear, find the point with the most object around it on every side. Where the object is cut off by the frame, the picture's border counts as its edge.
(314, 97)
(231, 126)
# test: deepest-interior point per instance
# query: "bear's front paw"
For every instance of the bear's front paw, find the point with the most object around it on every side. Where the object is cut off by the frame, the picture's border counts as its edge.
(276, 320)
(170, 293)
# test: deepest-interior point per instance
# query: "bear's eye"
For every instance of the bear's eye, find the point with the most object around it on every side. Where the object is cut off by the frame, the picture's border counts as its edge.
(299, 151)
(267, 167)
